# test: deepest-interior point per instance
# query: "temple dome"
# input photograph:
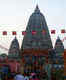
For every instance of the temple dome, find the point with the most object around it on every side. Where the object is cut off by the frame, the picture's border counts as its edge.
(38, 26)
(36, 20)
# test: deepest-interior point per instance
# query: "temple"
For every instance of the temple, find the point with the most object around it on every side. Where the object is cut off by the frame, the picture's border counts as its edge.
(37, 53)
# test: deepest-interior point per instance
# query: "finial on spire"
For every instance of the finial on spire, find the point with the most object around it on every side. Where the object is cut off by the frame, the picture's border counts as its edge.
(37, 8)
(15, 38)
(58, 37)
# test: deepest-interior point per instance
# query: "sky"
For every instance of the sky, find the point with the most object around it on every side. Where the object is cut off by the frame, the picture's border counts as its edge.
(14, 15)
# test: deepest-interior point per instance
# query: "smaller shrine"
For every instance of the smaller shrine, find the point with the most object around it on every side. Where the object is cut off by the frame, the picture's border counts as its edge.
(14, 50)
(59, 50)
(58, 60)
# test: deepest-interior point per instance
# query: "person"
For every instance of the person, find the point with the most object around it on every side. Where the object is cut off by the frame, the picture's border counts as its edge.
(19, 77)
(35, 77)
(26, 78)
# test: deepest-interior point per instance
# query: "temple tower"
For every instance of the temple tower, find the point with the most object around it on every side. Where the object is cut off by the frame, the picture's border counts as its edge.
(14, 50)
(58, 60)
(37, 33)
(59, 50)
(36, 43)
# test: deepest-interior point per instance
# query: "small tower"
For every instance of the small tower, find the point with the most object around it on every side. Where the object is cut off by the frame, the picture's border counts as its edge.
(59, 50)
(59, 47)
(58, 65)
(14, 50)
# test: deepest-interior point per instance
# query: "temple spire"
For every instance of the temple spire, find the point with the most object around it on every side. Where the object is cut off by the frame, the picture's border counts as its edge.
(37, 36)
(58, 37)
(14, 50)
(59, 48)
(37, 8)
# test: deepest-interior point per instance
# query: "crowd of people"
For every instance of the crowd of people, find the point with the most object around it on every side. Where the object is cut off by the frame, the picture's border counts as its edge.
(19, 76)
(6, 74)
(33, 76)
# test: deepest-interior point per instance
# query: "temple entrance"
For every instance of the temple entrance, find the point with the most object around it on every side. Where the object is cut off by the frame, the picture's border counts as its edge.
(35, 61)
(35, 64)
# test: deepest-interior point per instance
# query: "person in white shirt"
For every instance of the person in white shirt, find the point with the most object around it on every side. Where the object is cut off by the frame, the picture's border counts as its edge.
(19, 77)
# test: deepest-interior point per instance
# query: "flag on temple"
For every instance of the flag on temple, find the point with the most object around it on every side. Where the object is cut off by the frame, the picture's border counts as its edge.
(53, 31)
(4, 32)
(14, 33)
(63, 31)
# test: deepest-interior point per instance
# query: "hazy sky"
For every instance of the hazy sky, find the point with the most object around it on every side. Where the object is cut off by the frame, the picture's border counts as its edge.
(14, 15)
